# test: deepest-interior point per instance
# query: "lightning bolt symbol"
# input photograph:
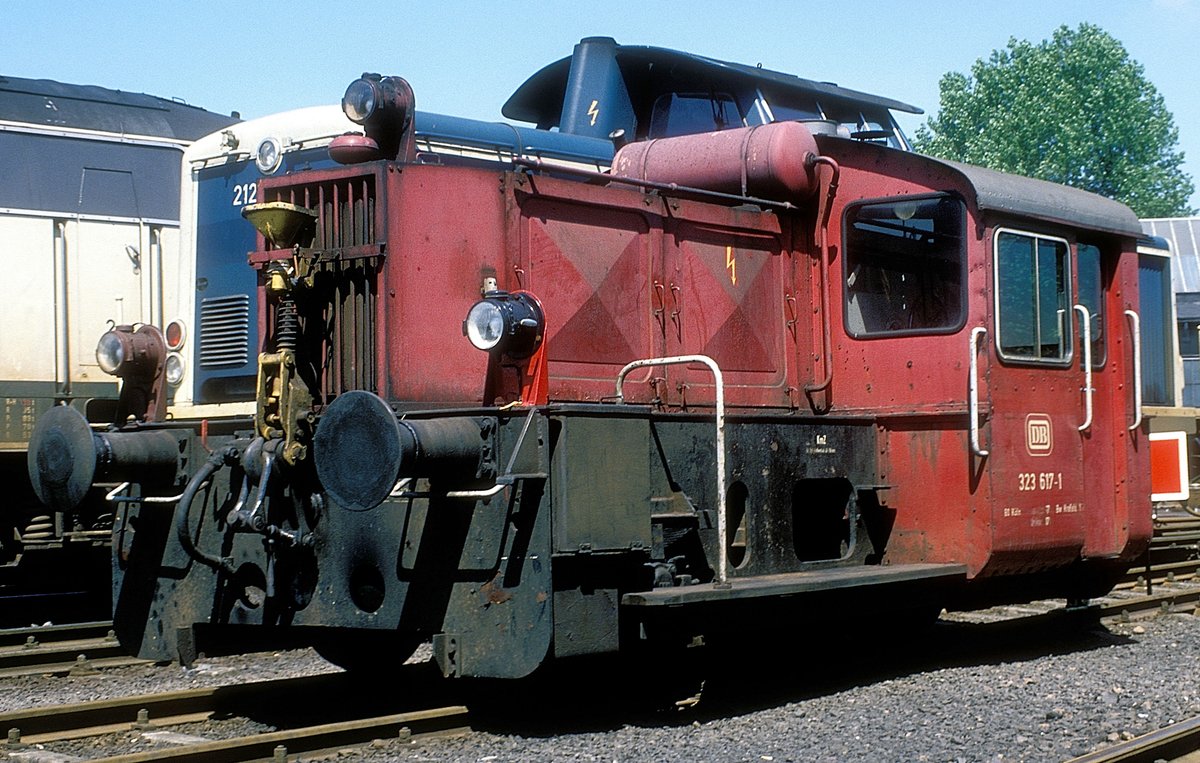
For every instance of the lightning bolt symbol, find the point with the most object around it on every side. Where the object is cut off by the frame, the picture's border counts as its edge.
(731, 265)
(594, 112)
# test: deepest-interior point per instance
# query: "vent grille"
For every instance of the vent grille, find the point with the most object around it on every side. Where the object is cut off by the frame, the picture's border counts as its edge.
(345, 209)
(338, 333)
(225, 331)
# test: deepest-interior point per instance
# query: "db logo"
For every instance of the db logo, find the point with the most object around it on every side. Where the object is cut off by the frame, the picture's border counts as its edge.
(1039, 434)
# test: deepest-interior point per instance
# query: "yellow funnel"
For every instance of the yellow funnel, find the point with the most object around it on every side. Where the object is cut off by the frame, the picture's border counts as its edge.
(280, 222)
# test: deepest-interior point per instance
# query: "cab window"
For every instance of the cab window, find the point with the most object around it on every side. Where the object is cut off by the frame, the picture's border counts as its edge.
(1189, 339)
(1091, 296)
(905, 266)
(692, 113)
(1032, 288)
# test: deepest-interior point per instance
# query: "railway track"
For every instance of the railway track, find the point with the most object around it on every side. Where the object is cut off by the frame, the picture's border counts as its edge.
(165, 723)
(1177, 743)
(82, 648)
(60, 649)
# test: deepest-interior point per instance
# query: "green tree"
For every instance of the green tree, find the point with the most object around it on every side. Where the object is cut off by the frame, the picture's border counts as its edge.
(1074, 109)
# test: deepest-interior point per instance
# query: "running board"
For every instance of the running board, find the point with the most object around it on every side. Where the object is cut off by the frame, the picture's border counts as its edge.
(800, 583)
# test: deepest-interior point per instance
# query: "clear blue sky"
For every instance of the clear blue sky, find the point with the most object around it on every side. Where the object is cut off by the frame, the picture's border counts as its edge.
(466, 58)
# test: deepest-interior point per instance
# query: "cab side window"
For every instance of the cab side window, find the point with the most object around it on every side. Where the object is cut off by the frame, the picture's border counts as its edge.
(1091, 295)
(905, 266)
(1032, 290)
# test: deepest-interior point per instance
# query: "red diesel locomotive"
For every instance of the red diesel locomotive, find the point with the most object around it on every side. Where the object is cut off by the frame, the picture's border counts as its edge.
(531, 412)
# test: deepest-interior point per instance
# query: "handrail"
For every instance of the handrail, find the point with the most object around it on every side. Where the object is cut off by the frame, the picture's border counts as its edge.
(1135, 322)
(722, 530)
(973, 393)
(1085, 318)
(826, 320)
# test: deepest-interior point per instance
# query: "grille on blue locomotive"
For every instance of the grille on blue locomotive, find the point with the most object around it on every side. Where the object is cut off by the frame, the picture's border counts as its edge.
(224, 331)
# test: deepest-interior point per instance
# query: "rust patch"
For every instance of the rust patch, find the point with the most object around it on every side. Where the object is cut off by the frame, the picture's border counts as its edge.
(494, 593)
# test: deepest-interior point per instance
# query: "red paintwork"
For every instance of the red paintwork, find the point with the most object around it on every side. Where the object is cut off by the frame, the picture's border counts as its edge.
(352, 148)
(624, 275)
(770, 161)
(1168, 460)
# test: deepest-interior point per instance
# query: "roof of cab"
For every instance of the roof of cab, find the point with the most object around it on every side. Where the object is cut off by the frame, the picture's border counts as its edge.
(540, 98)
(50, 104)
(1043, 200)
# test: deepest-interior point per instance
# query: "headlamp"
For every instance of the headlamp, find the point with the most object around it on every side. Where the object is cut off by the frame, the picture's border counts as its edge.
(174, 368)
(361, 98)
(512, 324)
(110, 352)
(127, 351)
(384, 106)
(269, 155)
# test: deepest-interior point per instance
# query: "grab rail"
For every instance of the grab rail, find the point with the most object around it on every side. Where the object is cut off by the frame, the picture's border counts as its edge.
(973, 393)
(1086, 324)
(1135, 322)
(674, 360)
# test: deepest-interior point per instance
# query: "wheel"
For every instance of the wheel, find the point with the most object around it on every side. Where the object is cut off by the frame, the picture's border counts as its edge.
(357, 651)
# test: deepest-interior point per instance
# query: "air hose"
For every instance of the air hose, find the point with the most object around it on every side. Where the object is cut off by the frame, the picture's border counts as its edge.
(227, 456)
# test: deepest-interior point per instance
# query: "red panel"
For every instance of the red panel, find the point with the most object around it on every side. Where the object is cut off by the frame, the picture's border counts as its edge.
(437, 258)
(592, 268)
(725, 299)
(1168, 466)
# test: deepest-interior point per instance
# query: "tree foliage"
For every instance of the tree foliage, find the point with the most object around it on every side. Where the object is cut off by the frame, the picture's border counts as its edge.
(1074, 109)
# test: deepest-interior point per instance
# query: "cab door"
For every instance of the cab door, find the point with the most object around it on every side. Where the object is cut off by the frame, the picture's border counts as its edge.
(1098, 298)
(1040, 462)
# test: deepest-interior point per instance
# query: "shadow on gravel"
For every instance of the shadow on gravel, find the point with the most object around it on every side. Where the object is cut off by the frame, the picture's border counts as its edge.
(680, 686)
(772, 669)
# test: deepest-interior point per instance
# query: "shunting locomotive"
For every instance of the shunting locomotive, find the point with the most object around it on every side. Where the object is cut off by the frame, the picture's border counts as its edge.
(529, 412)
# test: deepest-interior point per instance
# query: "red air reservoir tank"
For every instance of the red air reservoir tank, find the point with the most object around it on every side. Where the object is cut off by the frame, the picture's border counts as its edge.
(773, 161)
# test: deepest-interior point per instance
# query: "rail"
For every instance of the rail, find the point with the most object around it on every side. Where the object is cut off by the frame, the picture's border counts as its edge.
(674, 360)
(76, 649)
(148, 712)
(1173, 742)
(826, 320)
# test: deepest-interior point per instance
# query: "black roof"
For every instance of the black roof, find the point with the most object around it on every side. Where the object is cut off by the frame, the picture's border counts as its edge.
(1043, 200)
(540, 98)
(53, 104)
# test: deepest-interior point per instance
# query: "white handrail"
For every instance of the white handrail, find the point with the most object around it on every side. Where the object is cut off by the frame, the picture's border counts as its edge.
(722, 553)
(973, 393)
(1135, 322)
(1085, 319)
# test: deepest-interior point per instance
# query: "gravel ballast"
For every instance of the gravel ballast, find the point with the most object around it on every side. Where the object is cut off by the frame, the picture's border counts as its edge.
(958, 692)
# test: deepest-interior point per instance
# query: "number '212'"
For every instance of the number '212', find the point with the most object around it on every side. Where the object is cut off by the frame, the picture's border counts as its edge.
(245, 193)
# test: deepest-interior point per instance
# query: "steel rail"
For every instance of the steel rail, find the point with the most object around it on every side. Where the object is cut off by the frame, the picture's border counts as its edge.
(59, 655)
(82, 719)
(1085, 325)
(278, 745)
(1169, 743)
(44, 633)
(973, 392)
